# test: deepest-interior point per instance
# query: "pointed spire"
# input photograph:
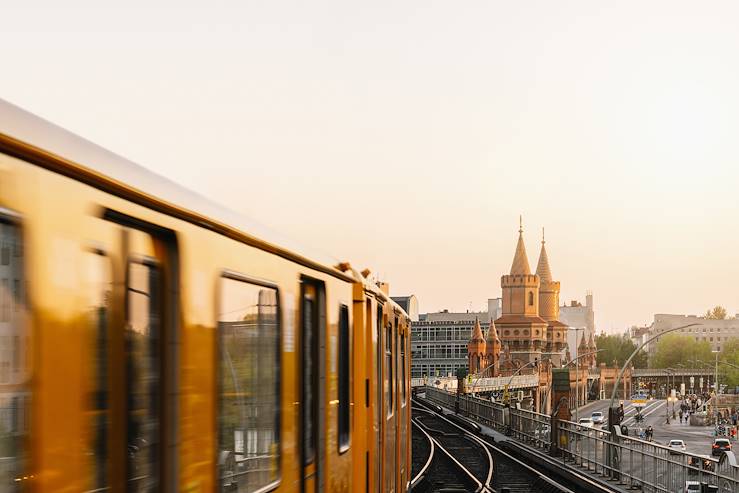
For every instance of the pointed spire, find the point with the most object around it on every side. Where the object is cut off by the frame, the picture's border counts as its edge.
(583, 344)
(520, 264)
(477, 331)
(493, 334)
(591, 342)
(542, 268)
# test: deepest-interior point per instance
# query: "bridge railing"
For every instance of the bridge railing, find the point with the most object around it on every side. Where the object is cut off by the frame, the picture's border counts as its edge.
(638, 464)
(529, 426)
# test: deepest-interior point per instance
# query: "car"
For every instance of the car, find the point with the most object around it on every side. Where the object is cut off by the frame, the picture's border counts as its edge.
(597, 417)
(584, 423)
(676, 446)
(719, 445)
(692, 487)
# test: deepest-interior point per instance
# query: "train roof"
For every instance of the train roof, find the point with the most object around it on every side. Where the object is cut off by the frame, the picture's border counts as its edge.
(24, 134)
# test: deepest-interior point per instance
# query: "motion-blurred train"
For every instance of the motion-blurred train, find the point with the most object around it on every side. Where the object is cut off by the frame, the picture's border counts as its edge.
(151, 341)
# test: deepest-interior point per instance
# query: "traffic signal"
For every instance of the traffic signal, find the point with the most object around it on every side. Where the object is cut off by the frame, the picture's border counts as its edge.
(615, 415)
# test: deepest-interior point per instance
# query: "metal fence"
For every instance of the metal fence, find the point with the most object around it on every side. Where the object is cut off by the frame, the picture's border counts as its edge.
(635, 463)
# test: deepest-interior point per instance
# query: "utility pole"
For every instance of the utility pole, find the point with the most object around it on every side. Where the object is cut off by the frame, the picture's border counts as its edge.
(715, 378)
(577, 373)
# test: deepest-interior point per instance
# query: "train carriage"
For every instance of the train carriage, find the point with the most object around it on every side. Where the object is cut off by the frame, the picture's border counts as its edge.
(152, 341)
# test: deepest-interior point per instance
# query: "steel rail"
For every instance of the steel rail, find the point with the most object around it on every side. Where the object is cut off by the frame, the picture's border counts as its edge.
(484, 487)
(530, 469)
(418, 477)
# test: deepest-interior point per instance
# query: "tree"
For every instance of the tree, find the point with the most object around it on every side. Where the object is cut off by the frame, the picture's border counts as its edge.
(729, 354)
(675, 348)
(617, 349)
(718, 313)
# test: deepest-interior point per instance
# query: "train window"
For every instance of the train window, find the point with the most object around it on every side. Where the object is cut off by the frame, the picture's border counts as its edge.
(143, 358)
(344, 351)
(402, 369)
(15, 399)
(98, 285)
(389, 382)
(249, 374)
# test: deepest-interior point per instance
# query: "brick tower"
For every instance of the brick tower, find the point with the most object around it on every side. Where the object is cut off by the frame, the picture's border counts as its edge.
(520, 326)
(476, 350)
(549, 308)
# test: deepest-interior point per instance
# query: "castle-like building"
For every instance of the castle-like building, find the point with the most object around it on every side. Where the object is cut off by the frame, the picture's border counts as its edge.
(529, 329)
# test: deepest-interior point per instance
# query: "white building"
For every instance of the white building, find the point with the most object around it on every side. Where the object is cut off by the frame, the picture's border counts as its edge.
(579, 316)
(715, 332)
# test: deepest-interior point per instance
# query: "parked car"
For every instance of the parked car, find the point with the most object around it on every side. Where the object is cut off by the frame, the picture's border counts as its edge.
(719, 445)
(597, 417)
(676, 446)
(692, 487)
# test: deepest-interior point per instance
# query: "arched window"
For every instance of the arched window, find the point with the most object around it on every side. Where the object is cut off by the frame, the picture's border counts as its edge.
(531, 298)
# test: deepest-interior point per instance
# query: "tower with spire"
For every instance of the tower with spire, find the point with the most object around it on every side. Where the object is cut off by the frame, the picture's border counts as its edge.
(549, 307)
(492, 351)
(476, 350)
(520, 325)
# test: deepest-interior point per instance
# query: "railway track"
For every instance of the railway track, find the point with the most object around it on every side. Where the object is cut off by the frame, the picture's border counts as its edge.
(503, 472)
(446, 458)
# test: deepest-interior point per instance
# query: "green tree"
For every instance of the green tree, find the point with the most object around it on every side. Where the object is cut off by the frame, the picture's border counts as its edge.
(617, 349)
(675, 348)
(718, 313)
(729, 354)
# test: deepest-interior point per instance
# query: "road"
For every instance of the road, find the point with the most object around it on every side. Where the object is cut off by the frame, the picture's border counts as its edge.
(698, 439)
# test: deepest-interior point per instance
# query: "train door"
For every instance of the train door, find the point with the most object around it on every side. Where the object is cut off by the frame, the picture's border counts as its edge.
(312, 385)
(401, 404)
(142, 352)
(390, 417)
(379, 408)
(370, 462)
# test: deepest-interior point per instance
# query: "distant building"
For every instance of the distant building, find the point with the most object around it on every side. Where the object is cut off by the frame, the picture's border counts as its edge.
(639, 335)
(439, 339)
(409, 304)
(715, 332)
(439, 346)
(578, 316)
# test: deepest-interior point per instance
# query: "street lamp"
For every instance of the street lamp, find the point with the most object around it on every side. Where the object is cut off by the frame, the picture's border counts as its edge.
(577, 371)
(626, 364)
(668, 397)
(715, 379)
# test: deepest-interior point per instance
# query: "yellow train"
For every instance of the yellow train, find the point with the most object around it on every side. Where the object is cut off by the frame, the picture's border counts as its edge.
(151, 341)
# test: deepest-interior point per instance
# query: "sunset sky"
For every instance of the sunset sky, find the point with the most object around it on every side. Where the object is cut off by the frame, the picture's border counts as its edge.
(407, 137)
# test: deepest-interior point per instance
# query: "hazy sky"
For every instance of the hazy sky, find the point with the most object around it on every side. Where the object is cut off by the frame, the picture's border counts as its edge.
(407, 137)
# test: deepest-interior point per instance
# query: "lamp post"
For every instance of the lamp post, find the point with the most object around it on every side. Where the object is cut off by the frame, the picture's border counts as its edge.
(626, 364)
(667, 405)
(577, 372)
(680, 365)
(715, 379)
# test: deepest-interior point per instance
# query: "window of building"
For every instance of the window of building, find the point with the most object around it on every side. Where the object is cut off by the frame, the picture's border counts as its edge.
(531, 298)
(249, 385)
